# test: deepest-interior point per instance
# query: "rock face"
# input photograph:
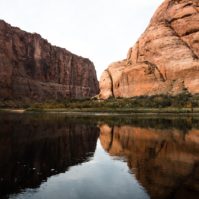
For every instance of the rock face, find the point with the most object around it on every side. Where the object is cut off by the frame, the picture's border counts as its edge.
(32, 68)
(165, 60)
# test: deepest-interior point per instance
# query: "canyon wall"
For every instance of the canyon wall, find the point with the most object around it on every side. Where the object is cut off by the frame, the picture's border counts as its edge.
(32, 68)
(165, 59)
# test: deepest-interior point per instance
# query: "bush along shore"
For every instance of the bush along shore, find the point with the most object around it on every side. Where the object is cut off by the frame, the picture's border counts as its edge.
(182, 103)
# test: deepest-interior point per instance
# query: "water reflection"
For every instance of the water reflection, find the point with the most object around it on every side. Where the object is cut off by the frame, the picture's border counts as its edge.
(32, 148)
(165, 161)
(58, 156)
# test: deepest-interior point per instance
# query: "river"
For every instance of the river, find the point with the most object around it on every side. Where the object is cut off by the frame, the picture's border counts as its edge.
(58, 156)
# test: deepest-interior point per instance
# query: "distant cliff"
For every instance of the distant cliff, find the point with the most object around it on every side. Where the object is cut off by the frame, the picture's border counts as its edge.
(32, 68)
(165, 60)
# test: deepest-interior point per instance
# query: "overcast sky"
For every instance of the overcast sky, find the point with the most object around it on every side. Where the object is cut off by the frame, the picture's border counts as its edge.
(101, 30)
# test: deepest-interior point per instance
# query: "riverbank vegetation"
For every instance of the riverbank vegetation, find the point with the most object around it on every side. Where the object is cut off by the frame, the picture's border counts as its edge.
(165, 103)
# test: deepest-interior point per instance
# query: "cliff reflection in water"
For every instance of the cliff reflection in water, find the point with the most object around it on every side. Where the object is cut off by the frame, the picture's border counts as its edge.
(164, 160)
(33, 147)
(162, 156)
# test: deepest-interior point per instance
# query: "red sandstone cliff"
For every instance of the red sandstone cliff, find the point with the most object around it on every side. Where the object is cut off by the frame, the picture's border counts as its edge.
(165, 60)
(32, 68)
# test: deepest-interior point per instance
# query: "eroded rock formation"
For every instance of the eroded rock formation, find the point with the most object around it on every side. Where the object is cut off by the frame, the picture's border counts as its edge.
(165, 60)
(32, 68)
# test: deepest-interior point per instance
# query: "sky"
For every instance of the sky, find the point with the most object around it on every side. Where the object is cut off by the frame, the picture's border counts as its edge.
(101, 30)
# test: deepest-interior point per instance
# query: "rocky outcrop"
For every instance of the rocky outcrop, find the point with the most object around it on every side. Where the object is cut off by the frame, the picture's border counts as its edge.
(165, 60)
(32, 68)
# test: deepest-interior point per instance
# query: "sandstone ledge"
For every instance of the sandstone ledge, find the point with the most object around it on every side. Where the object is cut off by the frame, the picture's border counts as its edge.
(165, 60)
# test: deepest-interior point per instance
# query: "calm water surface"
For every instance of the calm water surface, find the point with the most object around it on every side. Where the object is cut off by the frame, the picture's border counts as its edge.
(56, 156)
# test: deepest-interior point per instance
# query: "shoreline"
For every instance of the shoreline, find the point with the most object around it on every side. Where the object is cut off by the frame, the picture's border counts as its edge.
(108, 112)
